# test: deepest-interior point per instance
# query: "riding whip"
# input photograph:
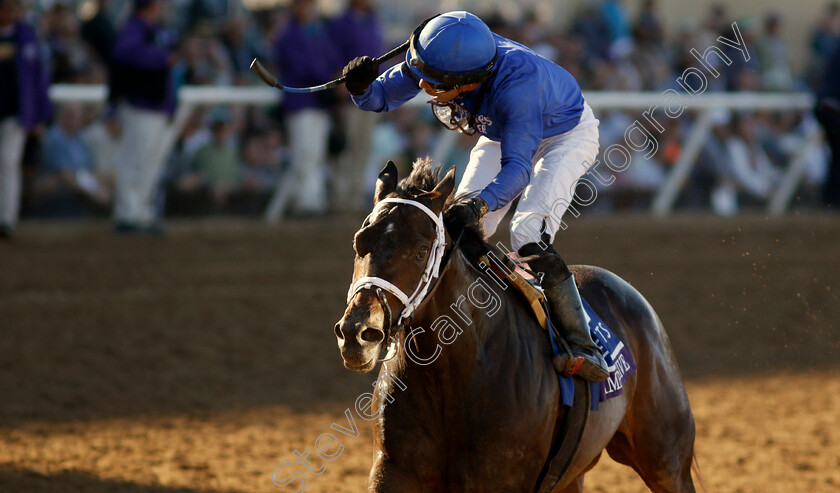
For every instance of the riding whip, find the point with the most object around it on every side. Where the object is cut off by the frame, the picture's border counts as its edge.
(272, 81)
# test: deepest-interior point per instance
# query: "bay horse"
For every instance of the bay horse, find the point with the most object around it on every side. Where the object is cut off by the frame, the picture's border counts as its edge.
(471, 397)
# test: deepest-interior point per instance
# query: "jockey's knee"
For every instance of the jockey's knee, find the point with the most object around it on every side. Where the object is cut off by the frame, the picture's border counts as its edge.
(530, 228)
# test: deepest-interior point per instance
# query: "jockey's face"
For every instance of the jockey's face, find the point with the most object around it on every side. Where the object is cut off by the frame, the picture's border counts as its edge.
(449, 95)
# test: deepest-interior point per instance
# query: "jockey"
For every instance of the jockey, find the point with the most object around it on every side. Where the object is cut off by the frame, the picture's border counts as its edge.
(538, 137)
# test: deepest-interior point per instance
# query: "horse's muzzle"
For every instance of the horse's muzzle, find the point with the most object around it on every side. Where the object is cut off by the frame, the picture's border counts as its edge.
(359, 333)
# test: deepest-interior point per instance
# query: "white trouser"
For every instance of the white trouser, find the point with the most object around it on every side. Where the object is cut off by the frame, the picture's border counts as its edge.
(559, 163)
(138, 163)
(308, 133)
(350, 176)
(12, 140)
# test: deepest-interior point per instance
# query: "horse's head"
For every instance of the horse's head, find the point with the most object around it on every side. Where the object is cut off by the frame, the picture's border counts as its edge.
(398, 252)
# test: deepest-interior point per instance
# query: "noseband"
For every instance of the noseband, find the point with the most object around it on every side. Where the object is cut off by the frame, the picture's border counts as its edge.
(410, 303)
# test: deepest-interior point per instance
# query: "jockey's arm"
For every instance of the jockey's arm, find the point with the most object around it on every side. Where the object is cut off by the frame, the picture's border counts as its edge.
(391, 89)
(521, 120)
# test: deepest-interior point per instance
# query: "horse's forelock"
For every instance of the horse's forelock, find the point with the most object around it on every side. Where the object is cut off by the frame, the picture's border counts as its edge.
(424, 177)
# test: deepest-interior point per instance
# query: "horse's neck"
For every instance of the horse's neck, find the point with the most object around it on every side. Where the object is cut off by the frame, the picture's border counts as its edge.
(475, 381)
(461, 315)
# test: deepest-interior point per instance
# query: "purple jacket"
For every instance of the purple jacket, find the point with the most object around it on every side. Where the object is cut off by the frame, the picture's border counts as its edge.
(305, 56)
(357, 34)
(34, 104)
(141, 74)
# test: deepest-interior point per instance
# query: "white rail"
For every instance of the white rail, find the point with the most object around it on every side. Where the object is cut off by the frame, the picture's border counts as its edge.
(259, 96)
(704, 104)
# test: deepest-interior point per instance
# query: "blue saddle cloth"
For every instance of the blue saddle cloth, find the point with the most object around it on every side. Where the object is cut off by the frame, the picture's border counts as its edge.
(619, 360)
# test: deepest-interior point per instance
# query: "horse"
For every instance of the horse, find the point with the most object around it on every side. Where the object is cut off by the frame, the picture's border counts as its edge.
(468, 398)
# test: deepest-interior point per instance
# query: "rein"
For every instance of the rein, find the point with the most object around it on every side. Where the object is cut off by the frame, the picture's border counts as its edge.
(427, 280)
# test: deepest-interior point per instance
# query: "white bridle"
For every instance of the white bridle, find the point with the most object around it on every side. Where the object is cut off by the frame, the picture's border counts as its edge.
(429, 275)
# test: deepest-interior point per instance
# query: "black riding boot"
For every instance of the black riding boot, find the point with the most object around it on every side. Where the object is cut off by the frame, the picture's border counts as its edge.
(559, 286)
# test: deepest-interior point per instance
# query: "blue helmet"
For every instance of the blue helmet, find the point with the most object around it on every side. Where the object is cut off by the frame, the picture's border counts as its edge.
(451, 49)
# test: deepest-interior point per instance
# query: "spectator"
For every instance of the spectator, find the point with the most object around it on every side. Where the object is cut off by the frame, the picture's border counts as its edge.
(355, 33)
(634, 187)
(828, 114)
(615, 18)
(650, 55)
(215, 166)
(749, 170)
(824, 40)
(268, 23)
(24, 104)
(713, 165)
(143, 87)
(71, 60)
(772, 52)
(212, 12)
(691, 37)
(241, 48)
(649, 24)
(743, 75)
(194, 135)
(69, 184)
(590, 27)
(717, 23)
(787, 139)
(262, 161)
(305, 56)
(207, 62)
(98, 31)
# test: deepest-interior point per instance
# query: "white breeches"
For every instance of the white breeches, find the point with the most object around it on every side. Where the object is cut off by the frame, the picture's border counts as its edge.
(559, 163)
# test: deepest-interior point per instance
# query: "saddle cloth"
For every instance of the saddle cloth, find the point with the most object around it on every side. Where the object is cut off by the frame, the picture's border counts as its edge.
(616, 354)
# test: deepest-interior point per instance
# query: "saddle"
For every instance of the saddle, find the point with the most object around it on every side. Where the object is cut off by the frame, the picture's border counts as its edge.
(505, 268)
(568, 437)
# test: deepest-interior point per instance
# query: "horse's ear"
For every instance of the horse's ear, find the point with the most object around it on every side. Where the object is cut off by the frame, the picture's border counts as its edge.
(444, 189)
(386, 183)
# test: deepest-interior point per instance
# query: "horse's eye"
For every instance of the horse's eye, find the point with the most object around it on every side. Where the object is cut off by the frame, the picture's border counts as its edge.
(421, 254)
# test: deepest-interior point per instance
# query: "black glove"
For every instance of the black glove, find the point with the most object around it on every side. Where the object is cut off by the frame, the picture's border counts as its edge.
(360, 73)
(464, 214)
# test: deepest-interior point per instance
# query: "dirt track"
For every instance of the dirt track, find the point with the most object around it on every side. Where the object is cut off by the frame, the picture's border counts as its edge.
(199, 361)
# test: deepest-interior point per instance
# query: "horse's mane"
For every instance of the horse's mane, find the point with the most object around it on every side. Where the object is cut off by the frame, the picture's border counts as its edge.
(425, 175)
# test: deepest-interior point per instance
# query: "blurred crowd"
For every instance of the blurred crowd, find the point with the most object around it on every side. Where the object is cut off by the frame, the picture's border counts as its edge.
(315, 154)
